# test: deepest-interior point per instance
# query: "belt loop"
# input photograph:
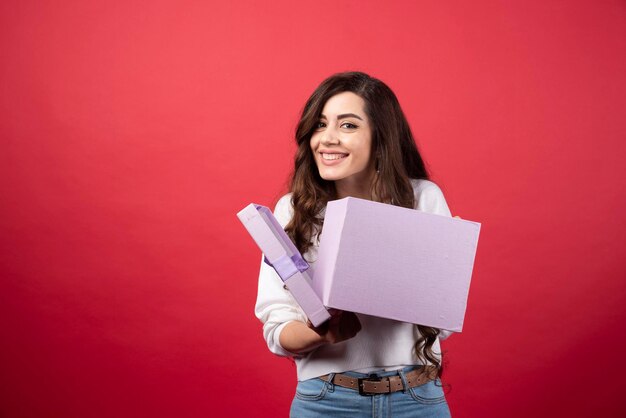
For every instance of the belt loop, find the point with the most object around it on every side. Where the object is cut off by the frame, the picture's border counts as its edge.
(405, 384)
(329, 382)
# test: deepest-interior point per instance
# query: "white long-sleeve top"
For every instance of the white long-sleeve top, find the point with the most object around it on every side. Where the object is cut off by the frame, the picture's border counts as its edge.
(381, 343)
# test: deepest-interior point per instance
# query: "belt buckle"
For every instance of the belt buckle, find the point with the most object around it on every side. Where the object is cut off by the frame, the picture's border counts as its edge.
(371, 378)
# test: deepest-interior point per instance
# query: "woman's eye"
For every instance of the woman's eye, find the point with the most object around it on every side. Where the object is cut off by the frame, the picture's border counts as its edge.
(320, 125)
(348, 125)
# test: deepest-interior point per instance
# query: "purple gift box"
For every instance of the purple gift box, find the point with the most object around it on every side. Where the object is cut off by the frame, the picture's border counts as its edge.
(283, 255)
(395, 263)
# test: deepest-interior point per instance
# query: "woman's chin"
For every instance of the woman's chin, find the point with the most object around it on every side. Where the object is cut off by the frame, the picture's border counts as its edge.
(330, 176)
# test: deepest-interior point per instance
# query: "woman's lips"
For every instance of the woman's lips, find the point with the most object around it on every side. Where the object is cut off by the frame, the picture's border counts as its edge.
(330, 159)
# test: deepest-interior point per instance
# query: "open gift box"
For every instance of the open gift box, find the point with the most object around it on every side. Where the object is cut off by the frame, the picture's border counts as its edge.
(395, 263)
(386, 261)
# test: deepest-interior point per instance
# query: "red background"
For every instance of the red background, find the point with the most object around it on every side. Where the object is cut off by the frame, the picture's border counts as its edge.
(132, 132)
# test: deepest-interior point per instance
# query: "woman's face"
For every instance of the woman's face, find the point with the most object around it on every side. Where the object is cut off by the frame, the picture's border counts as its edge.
(342, 142)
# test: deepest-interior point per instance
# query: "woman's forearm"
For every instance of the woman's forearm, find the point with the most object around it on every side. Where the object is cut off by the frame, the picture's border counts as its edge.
(298, 338)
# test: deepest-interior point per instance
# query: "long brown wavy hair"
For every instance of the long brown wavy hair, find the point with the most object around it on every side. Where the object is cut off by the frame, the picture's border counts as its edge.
(397, 162)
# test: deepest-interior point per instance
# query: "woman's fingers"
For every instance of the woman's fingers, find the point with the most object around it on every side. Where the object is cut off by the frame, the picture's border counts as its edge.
(340, 327)
(348, 326)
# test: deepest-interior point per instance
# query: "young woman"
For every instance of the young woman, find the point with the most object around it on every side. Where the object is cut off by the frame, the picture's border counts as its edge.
(353, 140)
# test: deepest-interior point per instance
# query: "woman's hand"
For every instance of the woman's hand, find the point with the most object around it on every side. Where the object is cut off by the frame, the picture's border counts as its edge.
(299, 337)
(341, 326)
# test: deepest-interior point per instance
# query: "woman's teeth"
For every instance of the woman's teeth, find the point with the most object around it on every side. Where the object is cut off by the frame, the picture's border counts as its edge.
(333, 156)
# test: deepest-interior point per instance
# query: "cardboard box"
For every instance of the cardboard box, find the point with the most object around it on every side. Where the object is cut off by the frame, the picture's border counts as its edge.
(283, 255)
(396, 263)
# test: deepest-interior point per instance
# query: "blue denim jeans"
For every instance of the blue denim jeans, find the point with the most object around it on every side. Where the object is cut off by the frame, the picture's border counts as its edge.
(317, 398)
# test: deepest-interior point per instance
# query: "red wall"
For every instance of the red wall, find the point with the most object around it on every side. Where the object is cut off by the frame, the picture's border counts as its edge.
(132, 132)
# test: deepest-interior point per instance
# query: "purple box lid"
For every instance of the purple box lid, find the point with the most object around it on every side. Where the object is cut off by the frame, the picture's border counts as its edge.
(280, 253)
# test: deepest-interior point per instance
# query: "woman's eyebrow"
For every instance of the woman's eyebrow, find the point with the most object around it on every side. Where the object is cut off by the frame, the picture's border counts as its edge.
(344, 115)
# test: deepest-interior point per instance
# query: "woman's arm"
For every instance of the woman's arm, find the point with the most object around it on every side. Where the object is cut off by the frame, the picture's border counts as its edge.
(285, 327)
(298, 337)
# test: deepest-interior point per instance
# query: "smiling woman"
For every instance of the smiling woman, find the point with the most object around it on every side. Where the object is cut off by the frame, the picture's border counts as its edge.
(353, 140)
(342, 144)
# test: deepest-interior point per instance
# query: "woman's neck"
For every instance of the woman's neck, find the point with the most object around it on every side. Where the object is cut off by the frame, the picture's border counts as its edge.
(354, 188)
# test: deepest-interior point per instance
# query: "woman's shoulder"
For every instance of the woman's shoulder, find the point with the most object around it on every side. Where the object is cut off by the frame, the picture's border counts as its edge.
(425, 186)
(429, 197)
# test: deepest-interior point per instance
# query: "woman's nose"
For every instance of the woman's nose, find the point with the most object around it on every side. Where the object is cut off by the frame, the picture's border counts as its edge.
(330, 137)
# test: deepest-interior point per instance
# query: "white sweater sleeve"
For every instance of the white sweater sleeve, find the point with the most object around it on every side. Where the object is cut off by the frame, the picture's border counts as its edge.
(275, 306)
(430, 199)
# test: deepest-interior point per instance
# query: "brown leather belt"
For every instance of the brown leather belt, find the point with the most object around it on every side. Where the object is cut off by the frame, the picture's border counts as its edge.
(373, 385)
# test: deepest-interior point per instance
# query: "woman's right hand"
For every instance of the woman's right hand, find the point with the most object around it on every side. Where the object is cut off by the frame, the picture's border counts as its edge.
(299, 337)
(341, 326)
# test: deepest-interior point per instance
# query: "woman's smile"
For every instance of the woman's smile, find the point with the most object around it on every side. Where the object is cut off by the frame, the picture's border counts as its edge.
(328, 156)
(330, 159)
